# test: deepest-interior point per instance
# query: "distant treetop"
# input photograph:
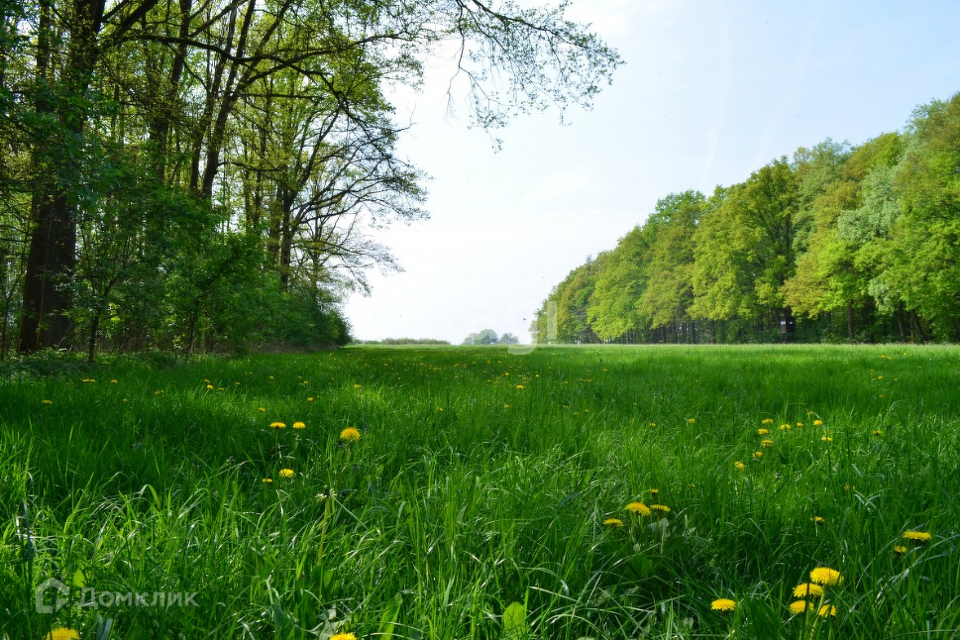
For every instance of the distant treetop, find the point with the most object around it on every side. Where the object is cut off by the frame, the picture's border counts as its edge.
(489, 336)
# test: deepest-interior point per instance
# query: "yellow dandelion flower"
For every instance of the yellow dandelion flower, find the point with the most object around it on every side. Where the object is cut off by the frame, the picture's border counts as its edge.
(261, 410)
(62, 633)
(653, 424)
(613, 522)
(638, 508)
(691, 421)
(763, 432)
(267, 480)
(520, 386)
(287, 473)
(767, 421)
(113, 382)
(917, 536)
(798, 607)
(739, 465)
(662, 508)
(356, 386)
(343, 636)
(827, 610)
(655, 491)
(817, 519)
(899, 550)
(758, 454)
(766, 443)
(298, 425)
(209, 387)
(350, 434)
(826, 576)
(799, 425)
(784, 427)
(48, 402)
(310, 399)
(278, 425)
(723, 605)
(818, 423)
(876, 432)
(807, 590)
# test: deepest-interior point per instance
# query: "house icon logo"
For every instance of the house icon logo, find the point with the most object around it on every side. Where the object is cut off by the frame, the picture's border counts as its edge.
(60, 594)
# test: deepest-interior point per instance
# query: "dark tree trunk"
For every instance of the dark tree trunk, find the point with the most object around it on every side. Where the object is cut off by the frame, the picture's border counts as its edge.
(915, 323)
(92, 341)
(45, 321)
(161, 116)
(286, 251)
(850, 322)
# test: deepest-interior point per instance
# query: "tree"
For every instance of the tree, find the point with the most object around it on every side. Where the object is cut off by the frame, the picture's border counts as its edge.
(484, 337)
(667, 298)
(62, 108)
(611, 305)
(206, 93)
(850, 217)
(923, 263)
(566, 310)
(745, 248)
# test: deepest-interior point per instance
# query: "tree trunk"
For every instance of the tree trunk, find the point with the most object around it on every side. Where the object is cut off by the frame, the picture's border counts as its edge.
(92, 343)
(850, 322)
(915, 322)
(159, 126)
(45, 321)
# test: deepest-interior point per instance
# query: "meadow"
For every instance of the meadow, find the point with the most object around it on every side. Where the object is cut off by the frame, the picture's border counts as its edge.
(571, 493)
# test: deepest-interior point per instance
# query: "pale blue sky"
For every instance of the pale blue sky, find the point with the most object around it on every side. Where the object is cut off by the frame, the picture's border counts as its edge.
(711, 91)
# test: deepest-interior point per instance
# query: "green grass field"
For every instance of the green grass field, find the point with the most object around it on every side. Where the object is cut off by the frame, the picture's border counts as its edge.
(483, 479)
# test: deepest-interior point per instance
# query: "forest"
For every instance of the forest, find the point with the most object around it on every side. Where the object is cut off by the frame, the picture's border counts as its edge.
(198, 175)
(838, 243)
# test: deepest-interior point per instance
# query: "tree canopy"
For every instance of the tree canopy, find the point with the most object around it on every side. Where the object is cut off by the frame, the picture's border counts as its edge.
(193, 175)
(838, 242)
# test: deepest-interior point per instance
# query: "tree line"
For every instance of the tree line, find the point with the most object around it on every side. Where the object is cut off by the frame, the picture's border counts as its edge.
(839, 243)
(196, 174)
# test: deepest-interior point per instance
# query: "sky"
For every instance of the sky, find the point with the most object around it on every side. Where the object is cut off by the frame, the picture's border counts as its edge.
(711, 90)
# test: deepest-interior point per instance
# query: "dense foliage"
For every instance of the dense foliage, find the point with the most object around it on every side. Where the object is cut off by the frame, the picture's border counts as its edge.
(840, 243)
(193, 175)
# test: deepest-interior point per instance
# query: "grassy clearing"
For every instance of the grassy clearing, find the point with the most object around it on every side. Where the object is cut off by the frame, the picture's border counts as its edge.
(483, 479)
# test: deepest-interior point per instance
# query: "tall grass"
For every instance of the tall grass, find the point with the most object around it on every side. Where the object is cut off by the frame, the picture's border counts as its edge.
(483, 479)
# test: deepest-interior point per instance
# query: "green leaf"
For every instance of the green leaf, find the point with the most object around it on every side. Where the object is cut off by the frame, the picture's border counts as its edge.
(389, 618)
(79, 580)
(514, 621)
